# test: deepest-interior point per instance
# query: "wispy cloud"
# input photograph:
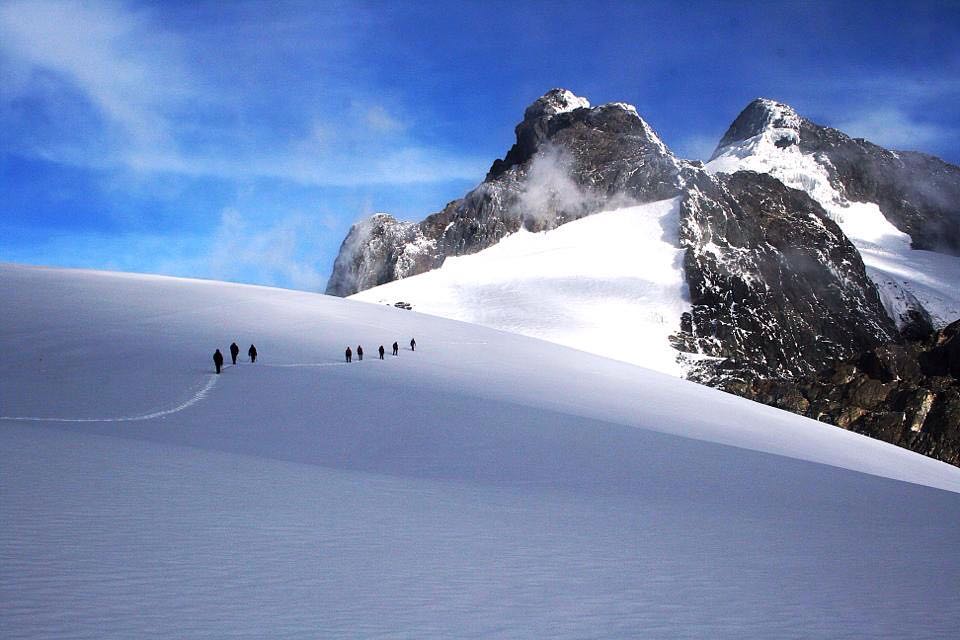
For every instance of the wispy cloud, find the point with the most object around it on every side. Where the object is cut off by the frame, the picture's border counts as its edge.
(696, 146)
(154, 111)
(895, 129)
(129, 72)
(277, 254)
(893, 110)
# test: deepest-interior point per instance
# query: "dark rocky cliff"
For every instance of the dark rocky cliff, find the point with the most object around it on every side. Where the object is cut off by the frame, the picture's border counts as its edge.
(776, 287)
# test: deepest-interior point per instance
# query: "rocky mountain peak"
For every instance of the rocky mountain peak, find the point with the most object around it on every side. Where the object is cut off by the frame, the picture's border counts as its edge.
(553, 102)
(562, 118)
(760, 116)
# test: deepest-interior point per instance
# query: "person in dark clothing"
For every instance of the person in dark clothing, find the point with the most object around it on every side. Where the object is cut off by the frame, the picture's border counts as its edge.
(218, 359)
(381, 351)
(234, 352)
(252, 352)
(396, 348)
(359, 352)
(349, 355)
(413, 344)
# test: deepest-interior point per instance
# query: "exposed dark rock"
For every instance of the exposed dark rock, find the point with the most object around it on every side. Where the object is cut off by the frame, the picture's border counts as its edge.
(776, 287)
(907, 394)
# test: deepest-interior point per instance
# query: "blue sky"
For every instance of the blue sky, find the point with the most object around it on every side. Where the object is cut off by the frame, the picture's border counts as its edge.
(239, 140)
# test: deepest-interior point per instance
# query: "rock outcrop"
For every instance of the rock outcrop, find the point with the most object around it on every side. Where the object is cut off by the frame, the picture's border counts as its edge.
(776, 288)
(907, 394)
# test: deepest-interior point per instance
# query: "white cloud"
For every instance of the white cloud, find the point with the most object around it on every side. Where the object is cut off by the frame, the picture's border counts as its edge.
(274, 254)
(156, 109)
(893, 128)
(696, 146)
(378, 119)
(128, 71)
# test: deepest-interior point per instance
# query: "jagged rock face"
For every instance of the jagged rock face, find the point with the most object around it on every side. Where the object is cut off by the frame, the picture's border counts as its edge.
(379, 250)
(919, 194)
(569, 161)
(776, 288)
(907, 394)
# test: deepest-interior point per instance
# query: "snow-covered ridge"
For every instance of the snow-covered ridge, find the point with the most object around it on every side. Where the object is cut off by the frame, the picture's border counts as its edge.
(903, 275)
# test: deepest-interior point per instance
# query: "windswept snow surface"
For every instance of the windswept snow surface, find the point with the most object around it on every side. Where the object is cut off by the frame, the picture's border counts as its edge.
(901, 274)
(610, 284)
(486, 485)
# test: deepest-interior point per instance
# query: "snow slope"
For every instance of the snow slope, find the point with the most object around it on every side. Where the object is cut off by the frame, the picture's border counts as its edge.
(901, 274)
(486, 485)
(611, 284)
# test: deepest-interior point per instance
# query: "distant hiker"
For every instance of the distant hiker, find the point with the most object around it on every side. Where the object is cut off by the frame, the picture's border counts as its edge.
(396, 348)
(218, 359)
(234, 352)
(252, 352)
(381, 351)
(359, 352)
(413, 344)
(349, 355)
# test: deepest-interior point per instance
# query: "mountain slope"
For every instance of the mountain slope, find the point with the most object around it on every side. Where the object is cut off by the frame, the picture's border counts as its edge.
(485, 485)
(896, 207)
(611, 284)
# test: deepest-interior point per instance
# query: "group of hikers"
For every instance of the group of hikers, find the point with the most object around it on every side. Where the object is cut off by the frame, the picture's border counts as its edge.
(234, 352)
(396, 350)
(252, 352)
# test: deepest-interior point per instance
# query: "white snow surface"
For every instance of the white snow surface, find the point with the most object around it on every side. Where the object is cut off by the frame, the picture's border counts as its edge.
(901, 274)
(611, 283)
(566, 101)
(485, 485)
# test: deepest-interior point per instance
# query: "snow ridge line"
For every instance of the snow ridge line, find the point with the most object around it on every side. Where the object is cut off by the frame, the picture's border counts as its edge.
(200, 395)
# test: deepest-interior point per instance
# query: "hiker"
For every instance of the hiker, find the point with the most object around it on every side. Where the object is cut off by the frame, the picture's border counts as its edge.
(252, 352)
(218, 359)
(349, 355)
(396, 348)
(413, 344)
(381, 351)
(359, 352)
(234, 352)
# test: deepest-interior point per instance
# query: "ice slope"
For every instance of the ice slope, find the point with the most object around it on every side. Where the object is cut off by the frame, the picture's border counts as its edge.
(901, 274)
(486, 485)
(611, 284)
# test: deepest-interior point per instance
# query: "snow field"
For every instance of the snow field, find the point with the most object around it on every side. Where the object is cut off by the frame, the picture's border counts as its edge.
(610, 284)
(487, 485)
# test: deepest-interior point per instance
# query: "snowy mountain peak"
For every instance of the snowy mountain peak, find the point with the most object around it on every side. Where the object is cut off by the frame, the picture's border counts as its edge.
(778, 121)
(555, 101)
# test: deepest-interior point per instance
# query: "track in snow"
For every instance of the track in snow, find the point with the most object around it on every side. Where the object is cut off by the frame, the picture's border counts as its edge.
(197, 397)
